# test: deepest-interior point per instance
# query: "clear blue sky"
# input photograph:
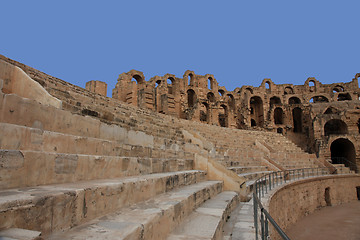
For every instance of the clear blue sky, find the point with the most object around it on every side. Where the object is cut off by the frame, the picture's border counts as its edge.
(240, 42)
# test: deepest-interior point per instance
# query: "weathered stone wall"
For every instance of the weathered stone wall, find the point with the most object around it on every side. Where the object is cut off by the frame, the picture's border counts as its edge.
(296, 200)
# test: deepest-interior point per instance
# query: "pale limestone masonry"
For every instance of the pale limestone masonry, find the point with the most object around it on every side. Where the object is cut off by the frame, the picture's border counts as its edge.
(75, 164)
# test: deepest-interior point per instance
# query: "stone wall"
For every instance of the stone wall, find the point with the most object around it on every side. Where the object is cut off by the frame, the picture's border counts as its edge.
(296, 200)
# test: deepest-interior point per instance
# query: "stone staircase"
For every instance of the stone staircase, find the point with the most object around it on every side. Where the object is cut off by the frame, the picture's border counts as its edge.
(75, 177)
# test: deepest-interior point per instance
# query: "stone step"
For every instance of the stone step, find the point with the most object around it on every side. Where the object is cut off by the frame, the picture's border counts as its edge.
(253, 175)
(19, 234)
(207, 221)
(22, 168)
(25, 138)
(58, 207)
(152, 219)
(248, 169)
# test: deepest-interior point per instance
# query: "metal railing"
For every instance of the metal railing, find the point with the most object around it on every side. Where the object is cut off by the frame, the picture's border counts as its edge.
(268, 182)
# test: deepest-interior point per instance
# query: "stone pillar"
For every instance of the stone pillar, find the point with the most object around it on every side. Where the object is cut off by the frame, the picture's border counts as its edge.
(98, 87)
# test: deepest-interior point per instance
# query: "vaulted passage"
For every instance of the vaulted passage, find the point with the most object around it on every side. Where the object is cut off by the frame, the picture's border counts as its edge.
(343, 152)
(191, 98)
(256, 104)
(278, 116)
(297, 119)
(223, 116)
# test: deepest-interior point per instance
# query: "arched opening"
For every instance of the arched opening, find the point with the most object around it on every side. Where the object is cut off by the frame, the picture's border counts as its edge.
(288, 90)
(344, 97)
(211, 97)
(256, 104)
(191, 97)
(231, 101)
(311, 83)
(253, 123)
(170, 85)
(343, 152)
(331, 110)
(278, 116)
(318, 99)
(210, 83)
(223, 116)
(190, 78)
(204, 112)
(338, 88)
(274, 100)
(358, 125)
(221, 92)
(279, 130)
(157, 95)
(294, 100)
(297, 119)
(138, 79)
(267, 85)
(249, 90)
(335, 127)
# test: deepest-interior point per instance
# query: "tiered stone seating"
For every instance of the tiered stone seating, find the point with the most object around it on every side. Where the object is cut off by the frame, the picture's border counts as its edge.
(62, 171)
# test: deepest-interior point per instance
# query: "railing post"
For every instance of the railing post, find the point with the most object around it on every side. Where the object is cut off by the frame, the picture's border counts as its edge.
(269, 182)
(285, 176)
(266, 227)
(255, 218)
(303, 173)
(262, 225)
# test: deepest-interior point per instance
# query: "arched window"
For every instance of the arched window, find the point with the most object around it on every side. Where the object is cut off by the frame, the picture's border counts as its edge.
(267, 85)
(338, 88)
(297, 119)
(170, 85)
(335, 127)
(256, 104)
(253, 123)
(278, 116)
(288, 90)
(231, 101)
(211, 97)
(190, 79)
(204, 112)
(138, 79)
(318, 99)
(344, 97)
(191, 98)
(331, 110)
(221, 92)
(210, 83)
(223, 116)
(275, 100)
(294, 100)
(311, 83)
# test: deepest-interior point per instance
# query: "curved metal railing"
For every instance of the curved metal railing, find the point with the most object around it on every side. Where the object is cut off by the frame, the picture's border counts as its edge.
(266, 183)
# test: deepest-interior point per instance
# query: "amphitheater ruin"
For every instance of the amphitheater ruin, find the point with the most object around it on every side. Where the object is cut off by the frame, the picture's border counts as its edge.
(169, 157)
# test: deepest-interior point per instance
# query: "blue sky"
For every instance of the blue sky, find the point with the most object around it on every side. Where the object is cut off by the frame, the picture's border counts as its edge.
(240, 42)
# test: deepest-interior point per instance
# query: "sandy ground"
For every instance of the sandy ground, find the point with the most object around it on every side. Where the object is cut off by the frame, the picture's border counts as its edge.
(338, 222)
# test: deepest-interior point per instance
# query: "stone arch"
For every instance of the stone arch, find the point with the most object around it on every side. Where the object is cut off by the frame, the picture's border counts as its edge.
(210, 83)
(297, 119)
(204, 112)
(335, 127)
(256, 104)
(223, 116)
(312, 84)
(331, 110)
(338, 89)
(249, 90)
(343, 97)
(278, 116)
(138, 79)
(190, 79)
(288, 90)
(191, 97)
(294, 100)
(211, 97)
(231, 101)
(319, 99)
(343, 152)
(221, 92)
(171, 85)
(274, 100)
